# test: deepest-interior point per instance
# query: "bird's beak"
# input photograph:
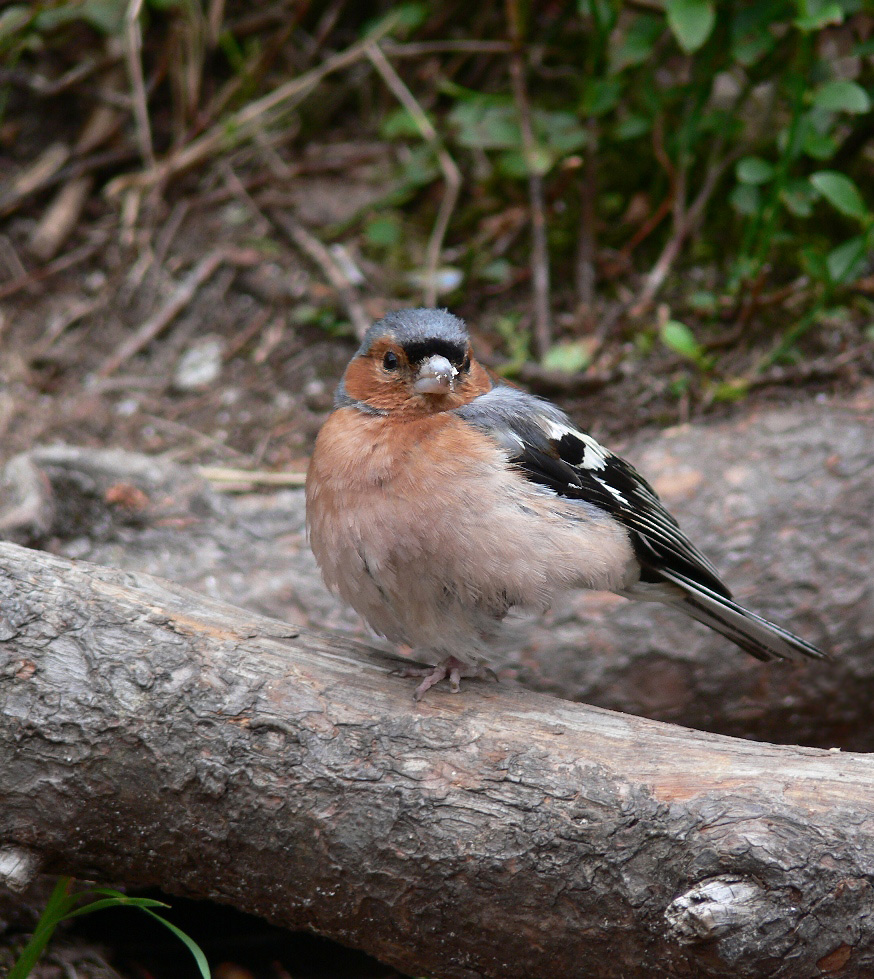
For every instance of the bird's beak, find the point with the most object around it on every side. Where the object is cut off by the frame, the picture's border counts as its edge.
(435, 376)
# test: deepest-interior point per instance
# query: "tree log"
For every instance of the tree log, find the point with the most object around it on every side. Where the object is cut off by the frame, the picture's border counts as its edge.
(154, 736)
(782, 500)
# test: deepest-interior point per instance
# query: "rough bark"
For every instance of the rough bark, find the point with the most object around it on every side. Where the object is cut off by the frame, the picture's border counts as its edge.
(150, 735)
(781, 500)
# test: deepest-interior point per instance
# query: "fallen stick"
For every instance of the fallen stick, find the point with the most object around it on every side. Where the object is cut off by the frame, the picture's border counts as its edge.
(540, 275)
(155, 737)
(307, 242)
(224, 476)
(160, 320)
(448, 166)
(243, 123)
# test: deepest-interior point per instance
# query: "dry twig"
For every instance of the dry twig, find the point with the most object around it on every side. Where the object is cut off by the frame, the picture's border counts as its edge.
(35, 177)
(60, 264)
(133, 56)
(420, 49)
(241, 480)
(315, 250)
(59, 324)
(60, 218)
(156, 324)
(243, 123)
(686, 220)
(539, 251)
(51, 168)
(451, 173)
(587, 236)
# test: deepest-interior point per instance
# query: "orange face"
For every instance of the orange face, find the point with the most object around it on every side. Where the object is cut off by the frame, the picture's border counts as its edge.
(421, 381)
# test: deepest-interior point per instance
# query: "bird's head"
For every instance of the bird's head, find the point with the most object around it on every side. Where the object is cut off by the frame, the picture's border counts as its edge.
(414, 362)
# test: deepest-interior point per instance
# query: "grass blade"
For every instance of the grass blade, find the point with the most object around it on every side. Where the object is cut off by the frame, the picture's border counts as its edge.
(190, 943)
(55, 911)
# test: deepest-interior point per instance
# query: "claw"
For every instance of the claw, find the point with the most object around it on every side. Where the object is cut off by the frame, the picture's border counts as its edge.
(450, 668)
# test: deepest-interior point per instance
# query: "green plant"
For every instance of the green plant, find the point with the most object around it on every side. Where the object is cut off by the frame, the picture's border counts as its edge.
(711, 155)
(734, 124)
(65, 903)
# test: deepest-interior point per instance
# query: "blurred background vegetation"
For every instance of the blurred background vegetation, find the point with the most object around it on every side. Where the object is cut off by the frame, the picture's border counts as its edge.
(675, 190)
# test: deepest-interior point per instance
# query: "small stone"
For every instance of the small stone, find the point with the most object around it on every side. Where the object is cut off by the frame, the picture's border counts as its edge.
(200, 365)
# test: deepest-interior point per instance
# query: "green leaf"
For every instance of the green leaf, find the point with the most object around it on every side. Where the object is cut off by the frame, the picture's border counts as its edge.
(560, 132)
(632, 126)
(498, 271)
(813, 263)
(637, 43)
(115, 902)
(798, 197)
(734, 389)
(480, 124)
(842, 95)
(189, 943)
(600, 95)
(703, 301)
(819, 146)
(515, 165)
(569, 358)
(691, 22)
(516, 341)
(419, 167)
(679, 385)
(106, 16)
(817, 14)
(841, 193)
(57, 906)
(401, 19)
(12, 21)
(750, 49)
(751, 36)
(679, 338)
(602, 12)
(863, 48)
(383, 232)
(846, 261)
(745, 199)
(754, 170)
(400, 124)
(127, 900)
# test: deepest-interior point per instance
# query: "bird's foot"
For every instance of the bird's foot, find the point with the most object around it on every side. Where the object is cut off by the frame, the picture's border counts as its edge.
(450, 668)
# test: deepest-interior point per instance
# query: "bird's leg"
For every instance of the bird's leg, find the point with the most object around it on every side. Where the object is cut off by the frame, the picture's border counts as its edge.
(450, 668)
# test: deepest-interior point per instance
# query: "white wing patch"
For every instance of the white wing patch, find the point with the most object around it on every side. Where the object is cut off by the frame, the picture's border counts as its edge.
(595, 455)
(612, 490)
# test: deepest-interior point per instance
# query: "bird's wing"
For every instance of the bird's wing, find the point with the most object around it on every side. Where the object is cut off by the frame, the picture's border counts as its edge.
(544, 445)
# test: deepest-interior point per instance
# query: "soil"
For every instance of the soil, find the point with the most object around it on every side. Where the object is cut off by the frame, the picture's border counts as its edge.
(266, 375)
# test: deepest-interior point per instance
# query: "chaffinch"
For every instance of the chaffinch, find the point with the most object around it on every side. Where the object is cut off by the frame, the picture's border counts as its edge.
(439, 498)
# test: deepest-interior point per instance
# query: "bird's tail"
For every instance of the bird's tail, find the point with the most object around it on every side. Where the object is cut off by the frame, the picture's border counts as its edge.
(755, 635)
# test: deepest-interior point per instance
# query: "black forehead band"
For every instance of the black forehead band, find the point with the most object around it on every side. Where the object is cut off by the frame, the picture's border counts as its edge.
(418, 350)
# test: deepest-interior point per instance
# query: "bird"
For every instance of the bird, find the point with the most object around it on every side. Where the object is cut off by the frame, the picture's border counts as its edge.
(439, 497)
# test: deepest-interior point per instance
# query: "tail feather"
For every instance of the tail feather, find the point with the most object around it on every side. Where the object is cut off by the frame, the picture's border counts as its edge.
(760, 638)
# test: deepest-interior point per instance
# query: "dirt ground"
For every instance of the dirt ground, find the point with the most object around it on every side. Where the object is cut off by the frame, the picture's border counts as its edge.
(241, 366)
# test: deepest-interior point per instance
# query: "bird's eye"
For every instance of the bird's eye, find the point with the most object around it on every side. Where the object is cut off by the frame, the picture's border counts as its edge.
(466, 365)
(390, 362)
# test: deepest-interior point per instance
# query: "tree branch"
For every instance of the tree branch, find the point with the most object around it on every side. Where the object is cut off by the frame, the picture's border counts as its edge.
(157, 737)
